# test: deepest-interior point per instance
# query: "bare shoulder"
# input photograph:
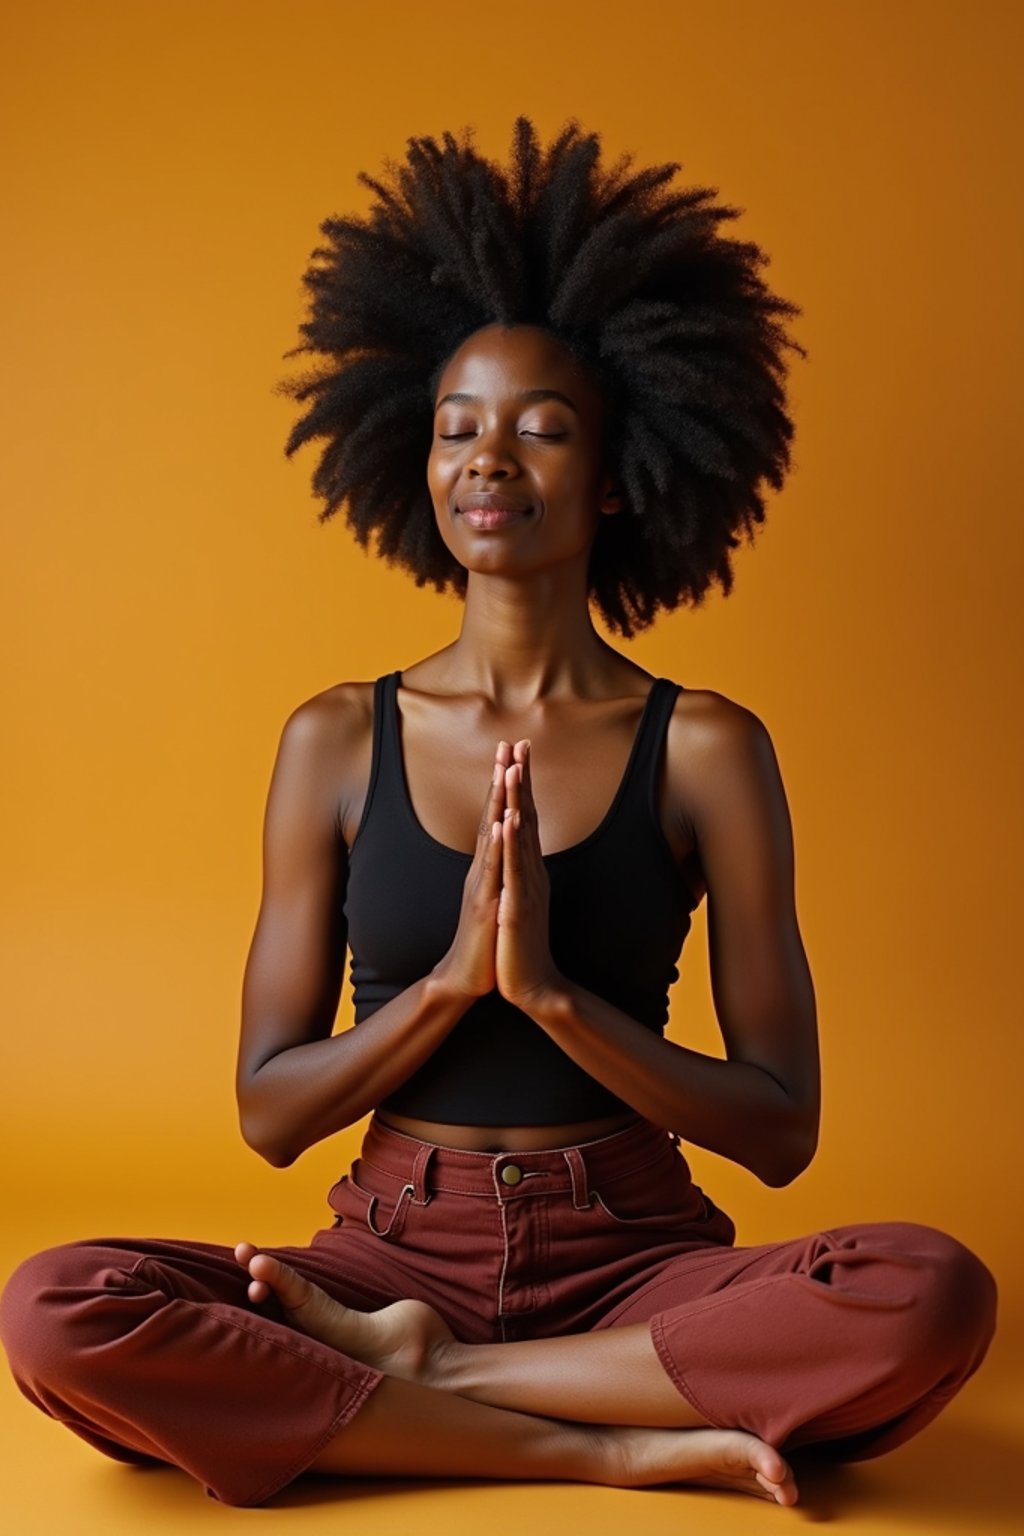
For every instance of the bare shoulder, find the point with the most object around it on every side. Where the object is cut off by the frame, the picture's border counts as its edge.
(331, 735)
(342, 714)
(710, 728)
(713, 743)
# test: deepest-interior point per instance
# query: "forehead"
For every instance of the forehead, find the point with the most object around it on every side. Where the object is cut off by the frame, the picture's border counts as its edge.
(498, 359)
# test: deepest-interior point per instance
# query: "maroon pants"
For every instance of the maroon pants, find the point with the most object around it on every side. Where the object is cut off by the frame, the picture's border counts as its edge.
(848, 1340)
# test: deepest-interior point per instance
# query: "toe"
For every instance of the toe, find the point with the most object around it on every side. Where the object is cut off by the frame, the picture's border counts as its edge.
(293, 1289)
(783, 1490)
(766, 1460)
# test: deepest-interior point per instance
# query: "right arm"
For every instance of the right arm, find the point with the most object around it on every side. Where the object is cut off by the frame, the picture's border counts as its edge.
(296, 1083)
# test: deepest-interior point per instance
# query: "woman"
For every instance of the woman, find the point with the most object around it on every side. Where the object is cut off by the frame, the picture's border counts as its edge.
(522, 1279)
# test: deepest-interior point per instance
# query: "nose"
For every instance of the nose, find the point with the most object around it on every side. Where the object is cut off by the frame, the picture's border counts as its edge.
(492, 454)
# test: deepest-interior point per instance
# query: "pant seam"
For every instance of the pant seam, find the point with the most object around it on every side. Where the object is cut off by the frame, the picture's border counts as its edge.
(371, 1379)
(208, 1309)
(343, 1417)
(676, 1376)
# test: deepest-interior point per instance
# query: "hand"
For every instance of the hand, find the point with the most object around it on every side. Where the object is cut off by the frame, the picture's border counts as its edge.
(469, 966)
(524, 966)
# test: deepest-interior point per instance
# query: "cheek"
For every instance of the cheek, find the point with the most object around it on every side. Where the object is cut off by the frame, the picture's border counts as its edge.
(438, 486)
(441, 476)
(438, 493)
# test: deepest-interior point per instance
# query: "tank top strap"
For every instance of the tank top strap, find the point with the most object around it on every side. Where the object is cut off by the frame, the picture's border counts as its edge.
(384, 758)
(643, 770)
(384, 695)
(638, 792)
(387, 743)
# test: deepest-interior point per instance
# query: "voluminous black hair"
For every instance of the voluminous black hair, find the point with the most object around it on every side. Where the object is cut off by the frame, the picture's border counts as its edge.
(680, 332)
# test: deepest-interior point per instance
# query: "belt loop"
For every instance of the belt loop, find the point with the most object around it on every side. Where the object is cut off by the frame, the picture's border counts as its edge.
(419, 1174)
(578, 1173)
(397, 1220)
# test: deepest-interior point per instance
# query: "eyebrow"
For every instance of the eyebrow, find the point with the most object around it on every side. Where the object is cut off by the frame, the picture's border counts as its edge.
(524, 394)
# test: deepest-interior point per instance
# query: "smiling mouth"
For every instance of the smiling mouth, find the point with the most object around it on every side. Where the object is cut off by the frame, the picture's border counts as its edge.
(491, 517)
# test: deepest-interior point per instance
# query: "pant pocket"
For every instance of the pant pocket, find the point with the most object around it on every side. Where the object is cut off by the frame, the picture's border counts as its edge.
(660, 1196)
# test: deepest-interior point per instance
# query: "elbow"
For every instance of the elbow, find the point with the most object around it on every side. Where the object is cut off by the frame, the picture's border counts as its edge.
(276, 1156)
(791, 1161)
(778, 1177)
(270, 1153)
(262, 1141)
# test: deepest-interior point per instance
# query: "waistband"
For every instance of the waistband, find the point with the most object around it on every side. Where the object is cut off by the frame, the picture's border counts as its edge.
(425, 1166)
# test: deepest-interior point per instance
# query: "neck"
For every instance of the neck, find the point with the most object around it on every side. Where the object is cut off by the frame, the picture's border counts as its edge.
(527, 639)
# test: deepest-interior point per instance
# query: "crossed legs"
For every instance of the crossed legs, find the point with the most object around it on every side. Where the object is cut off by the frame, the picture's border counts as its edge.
(140, 1346)
(855, 1338)
(515, 1410)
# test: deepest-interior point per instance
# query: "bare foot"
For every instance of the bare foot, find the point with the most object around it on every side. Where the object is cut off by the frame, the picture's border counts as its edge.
(410, 1339)
(711, 1458)
(407, 1338)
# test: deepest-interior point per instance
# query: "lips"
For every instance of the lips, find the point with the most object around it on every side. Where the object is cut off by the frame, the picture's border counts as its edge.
(485, 509)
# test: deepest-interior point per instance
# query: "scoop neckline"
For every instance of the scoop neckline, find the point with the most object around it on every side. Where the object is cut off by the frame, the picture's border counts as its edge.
(558, 853)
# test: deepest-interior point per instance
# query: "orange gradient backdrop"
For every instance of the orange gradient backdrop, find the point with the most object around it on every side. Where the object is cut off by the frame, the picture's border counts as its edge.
(169, 596)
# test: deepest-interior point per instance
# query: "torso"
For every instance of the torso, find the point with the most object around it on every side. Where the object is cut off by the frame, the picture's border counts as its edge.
(598, 731)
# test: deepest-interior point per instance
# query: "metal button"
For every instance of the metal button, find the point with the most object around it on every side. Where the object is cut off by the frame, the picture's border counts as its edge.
(510, 1174)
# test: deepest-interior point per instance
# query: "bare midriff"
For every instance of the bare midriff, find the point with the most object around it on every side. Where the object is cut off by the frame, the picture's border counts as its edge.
(505, 1138)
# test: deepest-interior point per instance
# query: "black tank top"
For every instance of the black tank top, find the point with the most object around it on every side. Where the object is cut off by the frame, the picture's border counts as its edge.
(619, 913)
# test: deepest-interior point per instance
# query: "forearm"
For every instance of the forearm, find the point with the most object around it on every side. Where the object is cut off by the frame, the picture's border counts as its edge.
(306, 1093)
(733, 1108)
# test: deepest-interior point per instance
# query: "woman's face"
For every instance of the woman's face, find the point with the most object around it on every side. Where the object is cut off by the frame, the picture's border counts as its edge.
(515, 465)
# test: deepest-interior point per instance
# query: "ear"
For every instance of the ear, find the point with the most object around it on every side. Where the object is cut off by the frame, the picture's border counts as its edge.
(610, 500)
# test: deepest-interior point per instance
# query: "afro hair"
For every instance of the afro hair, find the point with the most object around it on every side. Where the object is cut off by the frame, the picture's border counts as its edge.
(682, 337)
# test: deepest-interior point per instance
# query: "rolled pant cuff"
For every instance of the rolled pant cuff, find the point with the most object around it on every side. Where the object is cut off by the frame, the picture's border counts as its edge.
(353, 1395)
(675, 1375)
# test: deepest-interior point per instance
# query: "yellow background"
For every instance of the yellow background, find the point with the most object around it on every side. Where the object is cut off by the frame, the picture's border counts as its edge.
(169, 597)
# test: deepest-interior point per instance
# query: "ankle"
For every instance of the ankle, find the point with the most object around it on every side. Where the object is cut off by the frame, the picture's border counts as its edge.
(446, 1367)
(592, 1454)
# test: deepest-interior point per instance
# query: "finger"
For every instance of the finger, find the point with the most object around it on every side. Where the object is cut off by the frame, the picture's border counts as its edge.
(531, 853)
(513, 786)
(530, 837)
(492, 859)
(523, 755)
(511, 852)
(494, 805)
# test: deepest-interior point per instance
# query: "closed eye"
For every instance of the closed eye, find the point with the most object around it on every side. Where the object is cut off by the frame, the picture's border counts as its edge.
(451, 437)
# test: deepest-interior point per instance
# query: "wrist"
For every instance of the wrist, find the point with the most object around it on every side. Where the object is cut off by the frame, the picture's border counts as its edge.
(548, 1002)
(443, 986)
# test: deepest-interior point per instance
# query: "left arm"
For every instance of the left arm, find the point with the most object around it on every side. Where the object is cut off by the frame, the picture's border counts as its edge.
(760, 1106)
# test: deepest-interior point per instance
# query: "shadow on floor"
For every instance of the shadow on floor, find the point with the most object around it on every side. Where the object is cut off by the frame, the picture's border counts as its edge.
(964, 1476)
